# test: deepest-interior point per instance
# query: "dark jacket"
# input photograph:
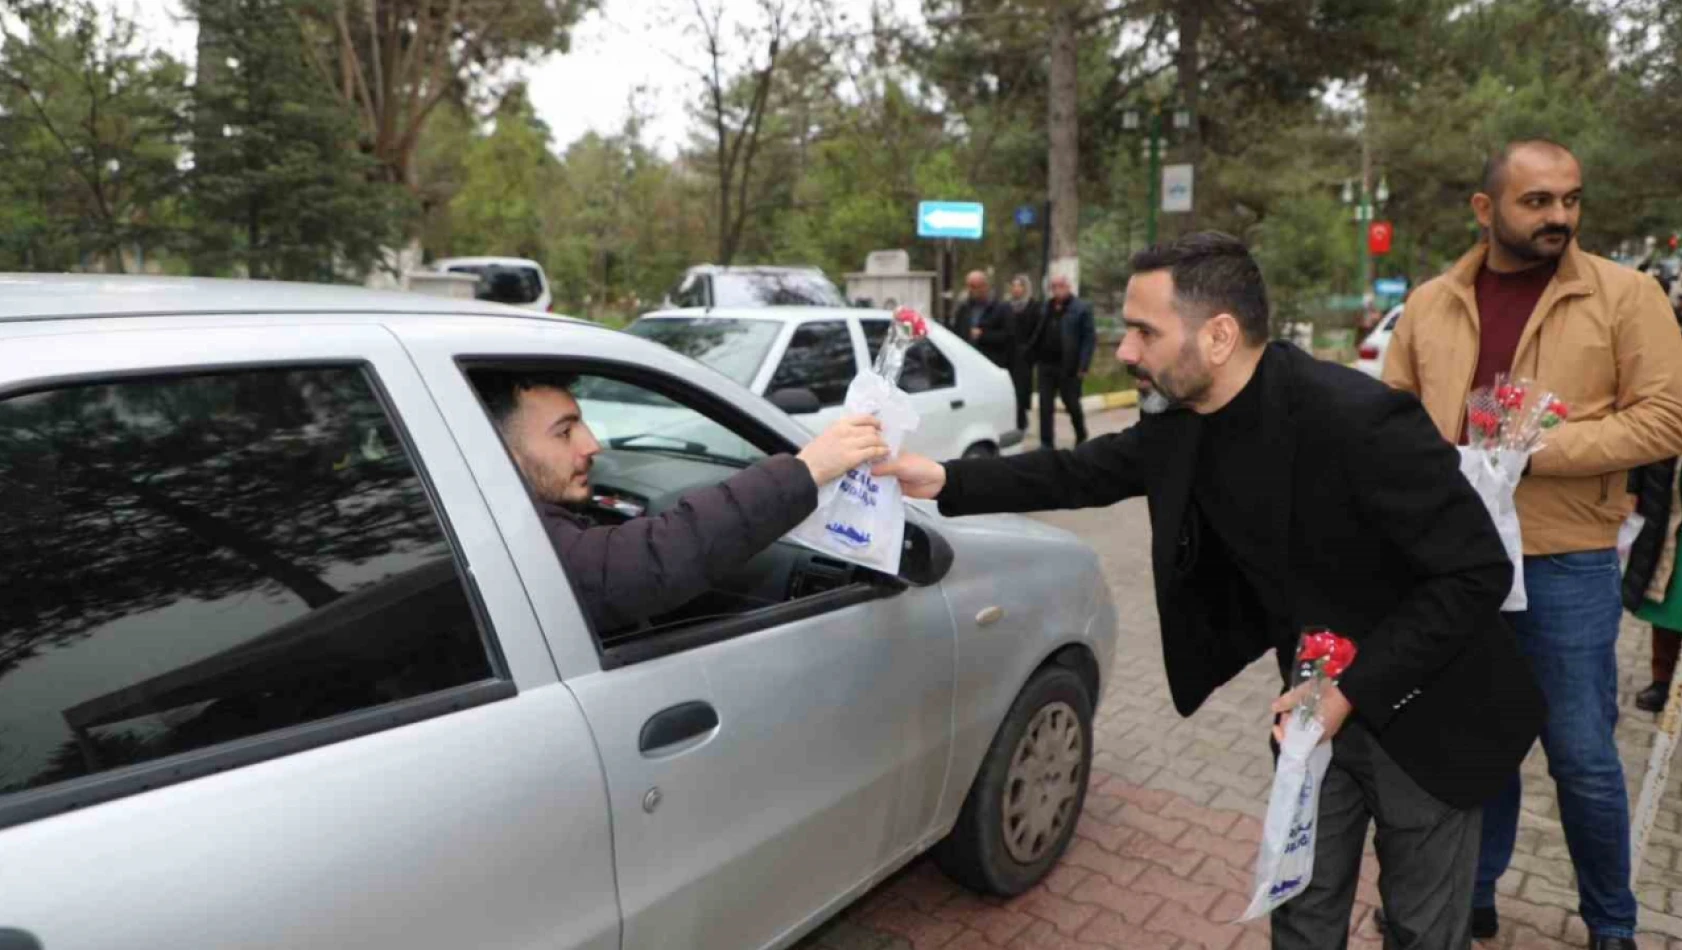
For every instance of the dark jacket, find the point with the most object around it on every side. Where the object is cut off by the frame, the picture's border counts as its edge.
(998, 329)
(624, 574)
(1380, 538)
(1079, 336)
(1654, 488)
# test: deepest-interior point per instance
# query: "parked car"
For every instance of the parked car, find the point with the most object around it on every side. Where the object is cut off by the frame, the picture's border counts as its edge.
(1371, 353)
(515, 281)
(288, 660)
(708, 285)
(803, 358)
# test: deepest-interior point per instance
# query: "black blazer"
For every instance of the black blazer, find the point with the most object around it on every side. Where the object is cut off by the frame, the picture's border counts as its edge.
(1380, 539)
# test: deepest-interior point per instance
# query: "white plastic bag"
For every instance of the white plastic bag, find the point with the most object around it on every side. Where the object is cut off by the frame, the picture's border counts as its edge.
(1627, 533)
(1285, 863)
(1495, 474)
(860, 517)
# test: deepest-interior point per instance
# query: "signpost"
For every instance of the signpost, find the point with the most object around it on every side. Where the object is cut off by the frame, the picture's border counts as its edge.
(949, 221)
(1176, 188)
(959, 220)
(1390, 286)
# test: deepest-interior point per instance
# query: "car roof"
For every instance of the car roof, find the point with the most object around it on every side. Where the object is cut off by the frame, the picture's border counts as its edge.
(496, 261)
(753, 269)
(777, 314)
(66, 296)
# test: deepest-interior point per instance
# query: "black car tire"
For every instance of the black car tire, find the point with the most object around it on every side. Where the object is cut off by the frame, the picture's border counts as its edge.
(976, 853)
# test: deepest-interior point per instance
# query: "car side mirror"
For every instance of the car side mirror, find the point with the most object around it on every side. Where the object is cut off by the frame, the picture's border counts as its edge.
(796, 401)
(926, 557)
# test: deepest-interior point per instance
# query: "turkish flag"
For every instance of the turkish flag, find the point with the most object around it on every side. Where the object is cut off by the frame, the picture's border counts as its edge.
(1379, 234)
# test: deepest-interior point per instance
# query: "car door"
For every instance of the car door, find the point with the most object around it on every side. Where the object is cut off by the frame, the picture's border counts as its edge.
(763, 769)
(267, 675)
(821, 356)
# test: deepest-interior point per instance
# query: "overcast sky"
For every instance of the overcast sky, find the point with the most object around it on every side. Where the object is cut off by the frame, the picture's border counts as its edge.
(627, 45)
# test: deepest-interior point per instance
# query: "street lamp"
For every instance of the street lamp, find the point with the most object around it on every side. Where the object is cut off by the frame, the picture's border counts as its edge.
(1364, 212)
(1132, 119)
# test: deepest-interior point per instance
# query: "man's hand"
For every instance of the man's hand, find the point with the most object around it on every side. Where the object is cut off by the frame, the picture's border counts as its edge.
(849, 443)
(919, 477)
(1334, 709)
(975, 333)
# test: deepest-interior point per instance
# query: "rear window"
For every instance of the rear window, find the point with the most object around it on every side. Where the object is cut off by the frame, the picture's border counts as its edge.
(195, 560)
(500, 283)
(733, 347)
(796, 289)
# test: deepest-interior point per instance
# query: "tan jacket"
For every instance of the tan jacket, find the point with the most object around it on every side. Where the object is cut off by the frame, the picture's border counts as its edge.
(1603, 339)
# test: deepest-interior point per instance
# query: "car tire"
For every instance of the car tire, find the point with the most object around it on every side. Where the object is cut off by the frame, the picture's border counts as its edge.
(981, 450)
(1005, 840)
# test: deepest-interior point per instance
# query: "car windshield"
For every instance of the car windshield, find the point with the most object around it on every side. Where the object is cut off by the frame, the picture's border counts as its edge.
(775, 289)
(733, 347)
(502, 283)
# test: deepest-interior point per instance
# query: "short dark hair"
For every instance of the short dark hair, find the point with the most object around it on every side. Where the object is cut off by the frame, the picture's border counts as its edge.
(1495, 166)
(1213, 273)
(500, 389)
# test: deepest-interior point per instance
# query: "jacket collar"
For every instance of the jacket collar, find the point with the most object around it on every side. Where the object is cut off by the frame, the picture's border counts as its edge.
(1570, 280)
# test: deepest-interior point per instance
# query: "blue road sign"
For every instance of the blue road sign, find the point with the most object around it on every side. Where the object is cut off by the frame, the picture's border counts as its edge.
(1390, 286)
(949, 219)
(1025, 216)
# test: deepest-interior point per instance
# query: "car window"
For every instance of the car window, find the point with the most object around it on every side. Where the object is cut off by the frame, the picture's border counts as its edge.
(690, 293)
(501, 283)
(735, 348)
(774, 289)
(656, 448)
(820, 358)
(926, 368)
(195, 560)
(633, 418)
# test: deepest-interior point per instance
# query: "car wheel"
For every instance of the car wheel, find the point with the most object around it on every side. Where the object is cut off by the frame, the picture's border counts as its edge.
(1022, 809)
(981, 450)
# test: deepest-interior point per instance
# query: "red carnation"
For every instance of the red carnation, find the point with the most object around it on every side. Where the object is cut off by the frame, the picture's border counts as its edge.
(1343, 653)
(913, 321)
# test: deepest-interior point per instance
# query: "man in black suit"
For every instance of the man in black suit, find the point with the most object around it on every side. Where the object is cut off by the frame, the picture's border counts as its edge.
(1286, 493)
(988, 324)
(1061, 347)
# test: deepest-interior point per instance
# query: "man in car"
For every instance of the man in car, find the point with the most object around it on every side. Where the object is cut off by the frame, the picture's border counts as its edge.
(627, 573)
(1286, 492)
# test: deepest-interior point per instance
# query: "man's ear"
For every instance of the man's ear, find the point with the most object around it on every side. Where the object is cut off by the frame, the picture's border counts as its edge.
(1224, 335)
(1483, 206)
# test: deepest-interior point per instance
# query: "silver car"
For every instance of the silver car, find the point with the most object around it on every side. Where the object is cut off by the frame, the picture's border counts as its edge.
(287, 659)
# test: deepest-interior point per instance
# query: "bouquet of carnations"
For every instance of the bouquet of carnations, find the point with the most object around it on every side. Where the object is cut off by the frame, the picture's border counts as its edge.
(1505, 426)
(861, 517)
(1285, 863)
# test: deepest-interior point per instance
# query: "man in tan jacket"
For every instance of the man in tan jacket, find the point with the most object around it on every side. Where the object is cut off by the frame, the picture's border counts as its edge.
(1530, 303)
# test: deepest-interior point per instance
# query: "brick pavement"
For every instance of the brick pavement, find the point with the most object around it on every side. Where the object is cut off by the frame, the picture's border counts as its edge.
(1162, 855)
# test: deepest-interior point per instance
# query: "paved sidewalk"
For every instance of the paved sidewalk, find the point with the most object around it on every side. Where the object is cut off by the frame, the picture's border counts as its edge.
(1162, 856)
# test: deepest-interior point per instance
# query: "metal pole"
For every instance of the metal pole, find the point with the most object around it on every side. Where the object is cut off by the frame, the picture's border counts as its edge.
(1155, 175)
(1045, 252)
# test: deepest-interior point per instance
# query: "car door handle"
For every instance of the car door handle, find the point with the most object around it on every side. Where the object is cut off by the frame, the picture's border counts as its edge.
(13, 939)
(673, 725)
(957, 404)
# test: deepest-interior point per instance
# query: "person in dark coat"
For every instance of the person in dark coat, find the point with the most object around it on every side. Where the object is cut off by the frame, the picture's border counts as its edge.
(988, 324)
(1288, 493)
(1061, 349)
(629, 572)
(1026, 311)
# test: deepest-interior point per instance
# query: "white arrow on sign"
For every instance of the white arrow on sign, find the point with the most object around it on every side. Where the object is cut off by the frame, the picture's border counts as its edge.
(946, 219)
